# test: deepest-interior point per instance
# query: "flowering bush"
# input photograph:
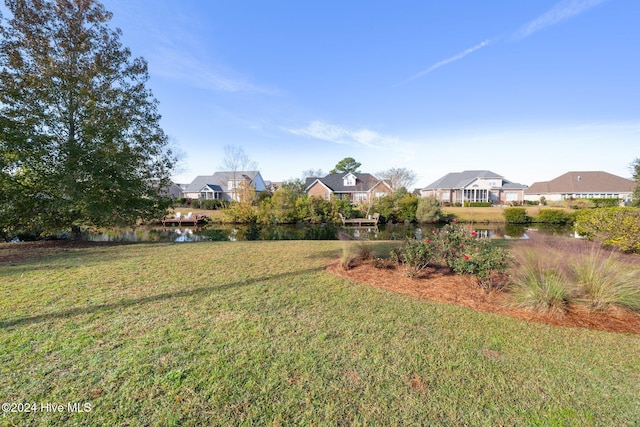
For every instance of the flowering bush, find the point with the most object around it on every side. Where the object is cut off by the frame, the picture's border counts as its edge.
(416, 255)
(457, 248)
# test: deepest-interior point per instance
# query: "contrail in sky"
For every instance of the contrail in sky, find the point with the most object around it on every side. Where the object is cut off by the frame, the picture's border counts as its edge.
(559, 13)
(448, 60)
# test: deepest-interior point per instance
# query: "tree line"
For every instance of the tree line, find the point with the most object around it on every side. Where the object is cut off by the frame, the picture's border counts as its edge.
(290, 204)
(80, 138)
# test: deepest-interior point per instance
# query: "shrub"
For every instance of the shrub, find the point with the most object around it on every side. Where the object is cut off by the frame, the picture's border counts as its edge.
(281, 208)
(605, 203)
(487, 261)
(617, 227)
(314, 209)
(580, 203)
(416, 255)
(406, 207)
(459, 249)
(212, 204)
(428, 210)
(554, 216)
(453, 241)
(479, 258)
(516, 215)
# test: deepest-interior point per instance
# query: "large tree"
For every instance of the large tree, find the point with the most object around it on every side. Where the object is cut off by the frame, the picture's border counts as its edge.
(348, 164)
(235, 160)
(398, 177)
(80, 136)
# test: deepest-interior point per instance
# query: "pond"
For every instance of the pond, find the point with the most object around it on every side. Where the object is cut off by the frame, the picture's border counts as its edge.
(237, 232)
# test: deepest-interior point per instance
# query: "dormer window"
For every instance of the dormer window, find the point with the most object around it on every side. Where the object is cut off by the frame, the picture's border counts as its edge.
(349, 180)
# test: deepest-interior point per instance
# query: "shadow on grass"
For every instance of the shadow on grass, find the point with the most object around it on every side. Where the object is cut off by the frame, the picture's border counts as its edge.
(23, 321)
(18, 255)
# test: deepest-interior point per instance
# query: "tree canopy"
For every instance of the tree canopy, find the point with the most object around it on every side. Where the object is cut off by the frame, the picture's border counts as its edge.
(398, 177)
(80, 136)
(312, 173)
(348, 164)
(236, 160)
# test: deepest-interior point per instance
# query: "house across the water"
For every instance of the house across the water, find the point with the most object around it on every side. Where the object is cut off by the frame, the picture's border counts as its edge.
(358, 188)
(474, 186)
(223, 185)
(582, 185)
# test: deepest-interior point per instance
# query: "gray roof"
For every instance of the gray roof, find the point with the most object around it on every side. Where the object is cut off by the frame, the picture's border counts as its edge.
(335, 182)
(218, 180)
(583, 182)
(457, 180)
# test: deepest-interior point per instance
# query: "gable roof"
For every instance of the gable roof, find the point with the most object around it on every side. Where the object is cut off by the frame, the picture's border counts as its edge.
(212, 187)
(335, 182)
(583, 182)
(457, 180)
(219, 180)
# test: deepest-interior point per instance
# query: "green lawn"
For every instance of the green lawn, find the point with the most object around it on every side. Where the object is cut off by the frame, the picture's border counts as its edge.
(257, 333)
(492, 214)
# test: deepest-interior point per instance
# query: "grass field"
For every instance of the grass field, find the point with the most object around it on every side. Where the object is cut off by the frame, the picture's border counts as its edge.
(257, 333)
(492, 214)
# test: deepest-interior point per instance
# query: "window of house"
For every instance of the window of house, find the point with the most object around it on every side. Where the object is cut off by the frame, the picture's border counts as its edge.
(349, 180)
(511, 196)
(360, 197)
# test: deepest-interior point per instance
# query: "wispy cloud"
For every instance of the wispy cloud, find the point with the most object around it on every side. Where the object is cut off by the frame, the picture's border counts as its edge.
(559, 13)
(448, 61)
(176, 49)
(174, 63)
(343, 135)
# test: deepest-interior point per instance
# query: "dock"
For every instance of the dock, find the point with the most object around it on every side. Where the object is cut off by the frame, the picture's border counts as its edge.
(184, 220)
(361, 222)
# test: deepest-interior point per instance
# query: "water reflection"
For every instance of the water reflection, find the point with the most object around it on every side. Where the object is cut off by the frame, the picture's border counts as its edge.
(305, 232)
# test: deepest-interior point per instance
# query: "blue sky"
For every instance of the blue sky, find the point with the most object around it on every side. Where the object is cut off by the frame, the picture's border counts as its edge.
(527, 89)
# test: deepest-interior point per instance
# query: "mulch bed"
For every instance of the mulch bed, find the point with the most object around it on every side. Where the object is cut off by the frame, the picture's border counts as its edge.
(438, 284)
